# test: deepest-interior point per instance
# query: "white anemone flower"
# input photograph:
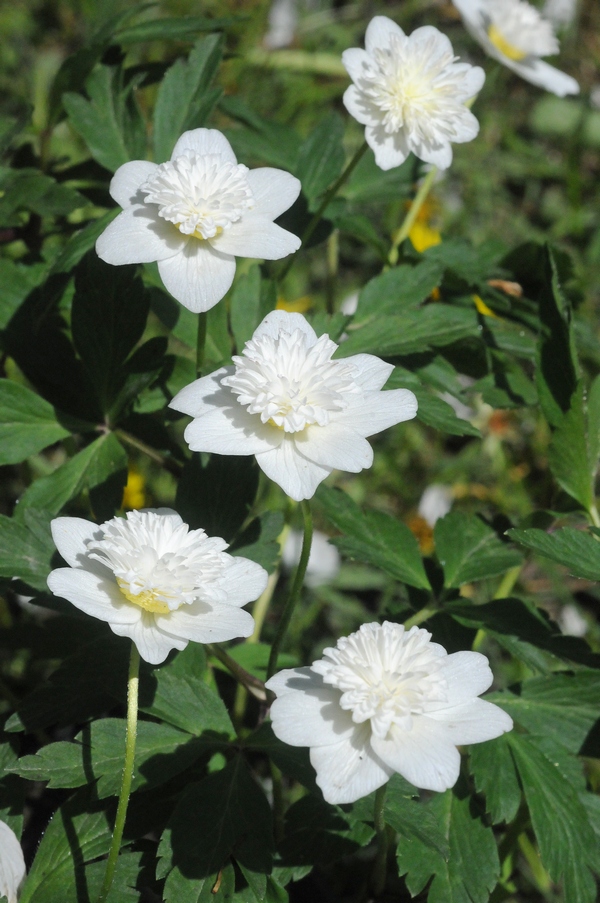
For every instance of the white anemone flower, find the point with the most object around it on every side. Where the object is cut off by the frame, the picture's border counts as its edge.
(155, 580)
(410, 94)
(12, 863)
(385, 700)
(195, 214)
(514, 33)
(287, 402)
(435, 503)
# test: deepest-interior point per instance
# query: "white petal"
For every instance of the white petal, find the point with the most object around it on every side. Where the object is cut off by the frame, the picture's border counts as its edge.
(307, 713)
(470, 10)
(297, 476)
(472, 81)
(274, 190)
(71, 535)
(543, 75)
(199, 276)
(126, 182)
(336, 446)
(152, 644)
(378, 410)
(473, 721)
(390, 150)
(467, 674)
(360, 107)
(204, 623)
(436, 39)
(379, 31)
(230, 430)
(256, 236)
(94, 595)
(425, 756)
(282, 321)
(12, 863)
(139, 235)
(350, 769)
(204, 141)
(371, 372)
(243, 580)
(440, 156)
(191, 399)
(355, 60)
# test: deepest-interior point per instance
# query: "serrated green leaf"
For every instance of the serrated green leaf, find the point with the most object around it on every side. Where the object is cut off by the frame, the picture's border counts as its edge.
(397, 289)
(31, 190)
(82, 242)
(469, 550)
(432, 410)
(184, 98)
(495, 775)
(245, 306)
(91, 467)
(262, 140)
(374, 537)
(28, 424)
(369, 184)
(472, 264)
(293, 761)
(259, 540)
(321, 158)
(217, 495)
(25, 552)
(318, 833)
(471, 870)
(180, 29)
(562, 828)
(569, 452)
(110, 122)
(575, 549)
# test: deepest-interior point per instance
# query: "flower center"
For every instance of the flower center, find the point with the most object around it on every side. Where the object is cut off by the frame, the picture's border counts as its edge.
(414, 84)
(289, 383)
(201, 195)
(385, 674)
(158, 562)
(518, 30)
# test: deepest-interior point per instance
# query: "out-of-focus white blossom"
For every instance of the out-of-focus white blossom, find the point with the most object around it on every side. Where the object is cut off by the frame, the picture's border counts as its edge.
(560, 12)
(571, 622)
(515, 34)
(323, 561)
(410, 94)
(385, 700)
(435, 503)
(283, 19)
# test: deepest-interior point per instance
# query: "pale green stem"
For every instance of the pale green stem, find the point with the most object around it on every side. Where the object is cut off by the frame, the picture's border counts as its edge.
(130, 738)
(507, 583)
(594, 516)
(201, 342)
(420, 616)
(244, 677)
(324, 204)
(380, 866)
(295, 590)
(411, 216)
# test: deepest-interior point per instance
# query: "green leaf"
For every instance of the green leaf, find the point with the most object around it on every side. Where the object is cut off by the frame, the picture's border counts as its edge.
(432, 326)
(259, 540)
(16, 282)
(25, 550)
(318, 833)
(321, 158)
(97, 755)
(432, 410)
(470, 871)
(180, 29)
(557, 371)
(110, 122)
(184, 98)
(472, 264)
(575, 549)
(31, 190)
(564, 709)
(369, 184)
(94, 466)
(82, 242)
(469, 550)
(218, 494)
(569, 454)
(28, 424)
(263, 140)
(493, 768)
(397, 289)
(293, 761)
(225, 813)
(12, 790)
(249, 303)
(562, 828)
(417, 825)
(183, 698)
(374, 537)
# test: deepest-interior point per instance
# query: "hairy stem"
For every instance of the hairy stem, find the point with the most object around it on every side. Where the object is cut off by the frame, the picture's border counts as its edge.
(130, 738)
(380, 866)
(295, 590)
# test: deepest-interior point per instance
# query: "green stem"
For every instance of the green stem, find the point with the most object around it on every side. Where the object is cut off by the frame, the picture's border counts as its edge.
(130, 738)
(420, 616)
(295, 590)
(241, 675)
(201, 342)
(411, 216)
(594, 516)
(507, 583)
(323, 206)
(380, 866)
(169, 463)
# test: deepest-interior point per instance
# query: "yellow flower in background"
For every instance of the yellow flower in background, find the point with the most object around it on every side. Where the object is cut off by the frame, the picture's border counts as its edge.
(134, 495)
(299, 306)
(482, 307)
(423, 236)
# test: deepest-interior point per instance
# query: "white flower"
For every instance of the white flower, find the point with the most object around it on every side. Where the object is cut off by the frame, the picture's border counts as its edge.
(12, 863)
(155, 580)
(515, 33)
(323, 562)
(385, 700)
(435, 503)
(410, 93)
(283, 21)
(195, 214)
(285, 401)
(560, 12)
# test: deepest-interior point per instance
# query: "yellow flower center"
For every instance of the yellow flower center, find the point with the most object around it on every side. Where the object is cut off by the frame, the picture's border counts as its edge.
(146, 599)
(500, 42)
